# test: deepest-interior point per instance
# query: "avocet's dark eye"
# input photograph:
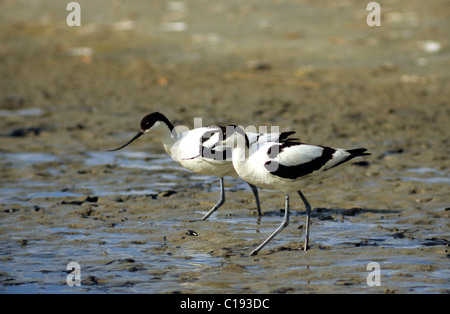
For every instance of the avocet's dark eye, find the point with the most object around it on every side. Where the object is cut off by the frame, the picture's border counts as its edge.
(145, 125)
(147, 122)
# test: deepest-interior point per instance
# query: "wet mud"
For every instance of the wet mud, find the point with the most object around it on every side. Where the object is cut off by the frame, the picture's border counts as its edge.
(131, 219)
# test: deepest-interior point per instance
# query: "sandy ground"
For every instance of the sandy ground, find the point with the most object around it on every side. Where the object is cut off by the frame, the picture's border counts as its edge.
(131, 219)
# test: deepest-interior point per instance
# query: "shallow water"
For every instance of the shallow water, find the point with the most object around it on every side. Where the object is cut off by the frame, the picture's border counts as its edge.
(21, 112)
(119, 258)
(427, 175)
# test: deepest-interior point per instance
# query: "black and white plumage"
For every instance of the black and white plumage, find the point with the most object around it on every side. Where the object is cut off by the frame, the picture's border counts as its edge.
(287, 165)
(197, 142)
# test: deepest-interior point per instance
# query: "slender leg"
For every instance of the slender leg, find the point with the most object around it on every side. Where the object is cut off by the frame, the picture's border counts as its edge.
(219, 202)
(255, 193)
(283, 225)
(308, 218)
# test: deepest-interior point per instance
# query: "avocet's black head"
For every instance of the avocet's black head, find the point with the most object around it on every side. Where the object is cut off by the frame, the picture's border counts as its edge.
(146, 124)
(149, 121)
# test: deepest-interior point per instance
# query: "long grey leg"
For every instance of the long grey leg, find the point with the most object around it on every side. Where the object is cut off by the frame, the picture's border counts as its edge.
(308, 218)
(255, 193)
(219, 202)
(283, 225)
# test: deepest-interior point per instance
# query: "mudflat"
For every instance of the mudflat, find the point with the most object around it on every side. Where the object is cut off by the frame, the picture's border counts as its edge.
(131, 219)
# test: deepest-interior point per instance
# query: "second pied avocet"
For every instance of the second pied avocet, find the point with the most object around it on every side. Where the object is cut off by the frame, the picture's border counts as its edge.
(287, 165)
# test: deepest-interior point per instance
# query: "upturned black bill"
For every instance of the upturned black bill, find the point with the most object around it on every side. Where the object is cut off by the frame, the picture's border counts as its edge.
(129, 142)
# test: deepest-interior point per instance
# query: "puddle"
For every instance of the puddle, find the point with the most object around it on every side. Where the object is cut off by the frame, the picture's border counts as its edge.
(25, 159)
(427, 175)
(427, 180)
(139, 160)
(161, 172)
(21, 112)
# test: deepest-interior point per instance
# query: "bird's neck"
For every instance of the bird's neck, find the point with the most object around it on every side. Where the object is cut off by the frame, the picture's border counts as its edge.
(166, 133)
(240, 151)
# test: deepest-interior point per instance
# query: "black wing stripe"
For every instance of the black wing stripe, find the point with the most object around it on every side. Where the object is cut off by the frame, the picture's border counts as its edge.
(294, 172)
